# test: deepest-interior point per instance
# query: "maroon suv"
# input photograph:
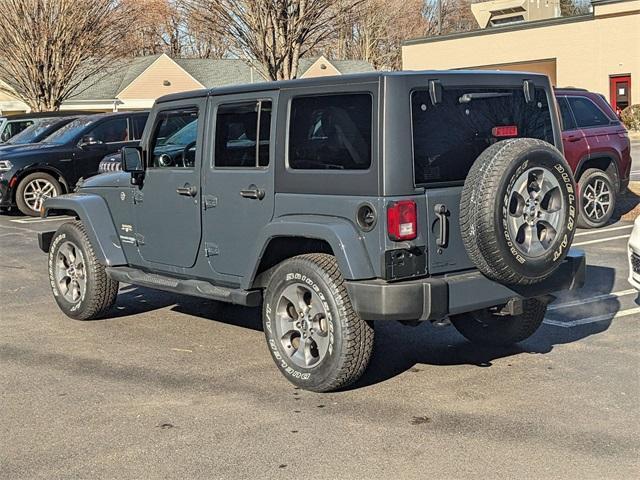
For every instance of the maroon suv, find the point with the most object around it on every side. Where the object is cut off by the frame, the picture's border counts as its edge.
(597, 147)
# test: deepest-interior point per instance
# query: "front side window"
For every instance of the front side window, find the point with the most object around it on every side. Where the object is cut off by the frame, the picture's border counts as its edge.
(450, 135)
(111, 131)
(586, 112)
(331, 132)
(175, 139)
(242, 134)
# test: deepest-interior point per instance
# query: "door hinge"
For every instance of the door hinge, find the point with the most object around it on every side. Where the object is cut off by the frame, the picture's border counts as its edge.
(138, 197)
(211, 249)
(210, 201)
(139, 239)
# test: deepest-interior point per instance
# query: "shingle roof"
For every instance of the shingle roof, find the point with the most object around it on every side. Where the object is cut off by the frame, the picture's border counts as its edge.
(210, 73)
(216, 73)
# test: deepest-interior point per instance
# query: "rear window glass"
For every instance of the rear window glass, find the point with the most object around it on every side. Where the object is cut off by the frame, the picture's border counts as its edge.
(448, 137)
(587, 113)
(331, 132)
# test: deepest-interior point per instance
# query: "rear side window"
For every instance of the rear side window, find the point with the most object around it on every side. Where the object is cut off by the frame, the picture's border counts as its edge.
(13, 128)
(331, 132)
(568, 123)
(139, 121)
(242, 134)
(586, 112)
(449, 136)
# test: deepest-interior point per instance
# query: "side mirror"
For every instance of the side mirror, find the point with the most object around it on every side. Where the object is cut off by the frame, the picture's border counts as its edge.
(88, 141)
(131, 160)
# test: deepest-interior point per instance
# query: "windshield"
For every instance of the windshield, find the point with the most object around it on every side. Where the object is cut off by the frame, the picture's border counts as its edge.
(69, 132)
(34, 133)
(449, 136)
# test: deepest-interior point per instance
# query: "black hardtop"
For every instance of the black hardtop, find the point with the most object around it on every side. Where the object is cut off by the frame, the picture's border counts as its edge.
(349, 79)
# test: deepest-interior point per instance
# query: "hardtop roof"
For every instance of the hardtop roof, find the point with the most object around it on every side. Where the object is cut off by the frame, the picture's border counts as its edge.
(367, 77)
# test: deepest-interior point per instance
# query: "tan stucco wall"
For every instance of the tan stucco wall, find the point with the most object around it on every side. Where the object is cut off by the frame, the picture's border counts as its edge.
(316, 70)
(586, 52)
(150, 83)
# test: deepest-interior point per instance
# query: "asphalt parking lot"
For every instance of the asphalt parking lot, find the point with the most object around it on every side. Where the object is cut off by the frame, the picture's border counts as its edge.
(174, 387)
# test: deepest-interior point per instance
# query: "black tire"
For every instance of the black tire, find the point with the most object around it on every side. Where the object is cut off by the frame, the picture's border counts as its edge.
(484, 327)
(592, 214)
(100, 290)
(22, 203)
(486, 204)
(349, 337)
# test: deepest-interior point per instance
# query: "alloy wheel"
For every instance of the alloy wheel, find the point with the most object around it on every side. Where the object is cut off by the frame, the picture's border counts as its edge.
(70, 272)
(302, 325)
(36, 191)
(535, 212)
(596, 199)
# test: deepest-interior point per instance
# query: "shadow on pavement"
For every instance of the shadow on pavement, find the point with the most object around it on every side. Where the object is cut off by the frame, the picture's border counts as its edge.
(625, 204)
(399, 348)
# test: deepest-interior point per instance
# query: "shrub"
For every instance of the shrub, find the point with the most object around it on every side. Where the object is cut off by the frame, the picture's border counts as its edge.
(631, 117)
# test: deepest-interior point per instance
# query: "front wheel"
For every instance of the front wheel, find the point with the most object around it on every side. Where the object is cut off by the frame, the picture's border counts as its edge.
(81, 287)
(314, 335)
(485, 327)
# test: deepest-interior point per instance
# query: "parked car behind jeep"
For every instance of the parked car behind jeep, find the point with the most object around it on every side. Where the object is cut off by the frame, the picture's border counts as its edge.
(598, 149)
(334, 203)
(33, 172)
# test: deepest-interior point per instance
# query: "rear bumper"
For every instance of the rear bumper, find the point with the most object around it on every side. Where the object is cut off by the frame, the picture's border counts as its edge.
(437, 298)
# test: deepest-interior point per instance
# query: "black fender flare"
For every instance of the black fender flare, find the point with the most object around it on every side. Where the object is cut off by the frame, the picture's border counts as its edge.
(92, 210)
(341, 235)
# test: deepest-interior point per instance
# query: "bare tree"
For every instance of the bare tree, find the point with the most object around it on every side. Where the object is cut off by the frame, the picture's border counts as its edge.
(570, 8)
(272, 35)
(49, 47)
(375, 31)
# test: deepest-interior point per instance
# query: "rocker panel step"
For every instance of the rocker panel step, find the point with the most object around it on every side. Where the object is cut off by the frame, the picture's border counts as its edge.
(197, 288)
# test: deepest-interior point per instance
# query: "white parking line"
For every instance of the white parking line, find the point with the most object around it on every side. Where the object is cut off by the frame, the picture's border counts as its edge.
(591, 242)
(597, 298)
(597, 318)
(603, 230)
(38, 220)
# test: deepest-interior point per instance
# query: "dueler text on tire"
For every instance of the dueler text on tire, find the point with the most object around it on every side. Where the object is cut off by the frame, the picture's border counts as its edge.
(315, 337)
(598, 198)
(33, 189)
(518, 211)
(484, 327)
(81, 287)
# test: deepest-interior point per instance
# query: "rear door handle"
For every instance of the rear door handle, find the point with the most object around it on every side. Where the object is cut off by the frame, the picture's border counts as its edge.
(574, 138)
(253, 193)
(187, 190)
(441, 212)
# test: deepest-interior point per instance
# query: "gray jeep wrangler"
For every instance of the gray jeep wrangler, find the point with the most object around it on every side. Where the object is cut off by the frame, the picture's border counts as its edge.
(333, 203)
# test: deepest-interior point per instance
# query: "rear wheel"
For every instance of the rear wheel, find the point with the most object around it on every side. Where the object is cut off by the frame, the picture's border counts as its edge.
(33, 190)
(315, 336)
(81, 287)
(597, 198)
(485, 327)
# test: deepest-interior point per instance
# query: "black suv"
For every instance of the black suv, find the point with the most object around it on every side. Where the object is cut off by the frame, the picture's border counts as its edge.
(335, 203)
(36, 171)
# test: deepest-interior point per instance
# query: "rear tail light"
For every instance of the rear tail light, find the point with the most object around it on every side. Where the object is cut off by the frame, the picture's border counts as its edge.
(505, 131)
(402, 221)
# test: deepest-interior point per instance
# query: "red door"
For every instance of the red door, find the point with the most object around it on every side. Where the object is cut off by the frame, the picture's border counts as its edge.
(620, 92)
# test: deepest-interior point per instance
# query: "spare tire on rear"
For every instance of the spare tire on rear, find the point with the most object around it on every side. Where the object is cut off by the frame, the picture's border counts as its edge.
(518, 211)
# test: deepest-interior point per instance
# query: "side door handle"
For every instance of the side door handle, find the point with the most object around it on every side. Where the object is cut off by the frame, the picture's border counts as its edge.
(574, 138)
(253, 193)
(187, 190)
